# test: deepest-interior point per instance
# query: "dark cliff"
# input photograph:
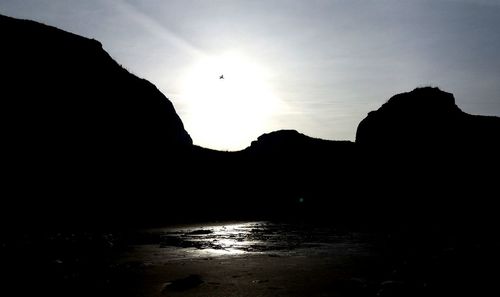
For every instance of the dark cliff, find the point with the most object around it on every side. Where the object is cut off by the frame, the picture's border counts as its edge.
(68, 87)
(425, 160)
(427, 119)
(290, 142)
(302, 177)
(84, 140)
(78, 128)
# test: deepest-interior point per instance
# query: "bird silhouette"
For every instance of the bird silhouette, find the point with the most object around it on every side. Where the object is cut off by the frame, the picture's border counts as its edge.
(221, 77)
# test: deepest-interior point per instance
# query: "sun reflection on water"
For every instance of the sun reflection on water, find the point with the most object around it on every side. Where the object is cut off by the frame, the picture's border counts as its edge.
(231, 239)
(255, 237)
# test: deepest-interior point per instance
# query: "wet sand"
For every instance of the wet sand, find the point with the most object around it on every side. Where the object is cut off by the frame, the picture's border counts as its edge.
(268, 259)
(252, 259)
(245, 275)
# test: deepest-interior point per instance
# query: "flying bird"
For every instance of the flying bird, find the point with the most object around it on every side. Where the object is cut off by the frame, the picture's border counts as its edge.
(221, 77)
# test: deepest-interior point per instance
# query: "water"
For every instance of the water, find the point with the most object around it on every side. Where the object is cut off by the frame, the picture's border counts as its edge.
(274, 239)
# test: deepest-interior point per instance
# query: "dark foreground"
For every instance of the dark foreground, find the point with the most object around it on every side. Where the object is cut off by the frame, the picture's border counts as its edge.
(250, 259)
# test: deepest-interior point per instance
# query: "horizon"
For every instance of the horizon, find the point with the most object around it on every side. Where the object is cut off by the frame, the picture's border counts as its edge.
(318, 69)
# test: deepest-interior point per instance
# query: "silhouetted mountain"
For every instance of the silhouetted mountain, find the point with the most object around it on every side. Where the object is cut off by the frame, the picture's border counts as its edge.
(79, 129)
(427, 118)
(291, 142)
(301, 176)
(282, 175)
(86, 141)
(429, 161)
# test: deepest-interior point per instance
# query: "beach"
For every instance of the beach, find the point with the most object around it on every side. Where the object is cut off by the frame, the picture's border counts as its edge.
(307, 263)
(249, 259)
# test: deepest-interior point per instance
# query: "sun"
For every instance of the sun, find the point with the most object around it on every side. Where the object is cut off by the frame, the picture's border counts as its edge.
(227, 113)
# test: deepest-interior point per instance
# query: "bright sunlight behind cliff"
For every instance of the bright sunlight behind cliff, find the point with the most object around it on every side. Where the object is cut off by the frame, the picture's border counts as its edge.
(331, 62)
(224, 113)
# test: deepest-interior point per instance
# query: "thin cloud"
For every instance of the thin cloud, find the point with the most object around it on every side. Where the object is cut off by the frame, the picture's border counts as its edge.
(156, 28)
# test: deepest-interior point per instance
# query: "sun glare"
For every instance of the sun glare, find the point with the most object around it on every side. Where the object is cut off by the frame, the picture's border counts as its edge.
(227, 113)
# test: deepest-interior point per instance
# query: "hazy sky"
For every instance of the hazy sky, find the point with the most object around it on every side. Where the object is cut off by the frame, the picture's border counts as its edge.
(315, 66)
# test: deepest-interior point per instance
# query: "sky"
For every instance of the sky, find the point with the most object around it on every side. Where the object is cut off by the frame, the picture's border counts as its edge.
(314, 66)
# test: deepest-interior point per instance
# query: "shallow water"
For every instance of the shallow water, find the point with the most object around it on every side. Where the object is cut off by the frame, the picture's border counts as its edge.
(258, 237)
